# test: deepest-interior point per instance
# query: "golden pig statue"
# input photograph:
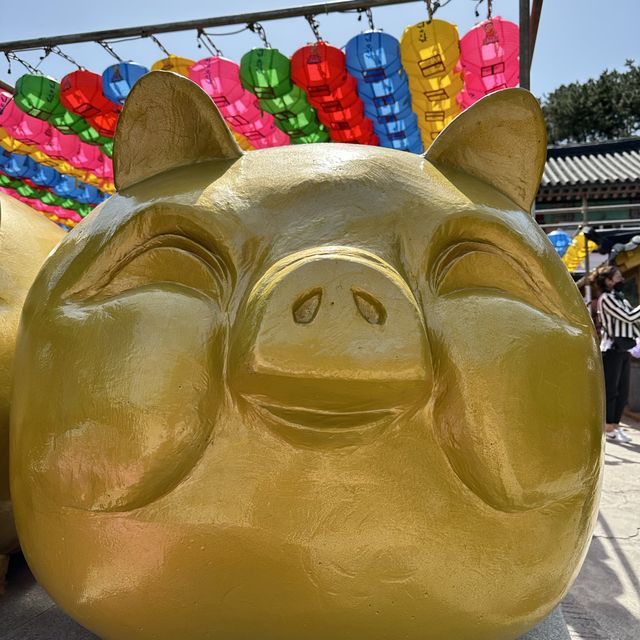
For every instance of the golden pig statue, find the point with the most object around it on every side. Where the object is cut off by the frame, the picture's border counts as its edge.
(311, 392)
(26, 238)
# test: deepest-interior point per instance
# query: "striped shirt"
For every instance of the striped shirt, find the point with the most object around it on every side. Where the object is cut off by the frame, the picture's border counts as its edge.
(619, 319)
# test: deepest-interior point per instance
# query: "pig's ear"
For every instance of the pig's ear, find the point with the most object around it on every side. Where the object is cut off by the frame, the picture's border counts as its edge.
(500, 139)
(168, 121)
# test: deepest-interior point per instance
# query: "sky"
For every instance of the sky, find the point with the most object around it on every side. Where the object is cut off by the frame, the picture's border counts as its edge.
(577, 39)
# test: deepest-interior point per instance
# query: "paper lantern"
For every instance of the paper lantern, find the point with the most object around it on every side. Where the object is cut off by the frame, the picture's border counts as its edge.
(67, 122)
(320, 69)
(107, 148)
(220, 79)
(17, 165)
(373, 58)
(266, 73)
(489, 54)
(81, 92)
(321, 135)
(45, 176)
(118, 80)
(91, 136)
(430, 54)
(68, 187)
(560, 241)
(175, 64)
(37, 96)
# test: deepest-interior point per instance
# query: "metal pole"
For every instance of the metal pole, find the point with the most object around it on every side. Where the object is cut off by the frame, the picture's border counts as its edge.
(205, 23)
(536, 10)
(525, 55)
(585, 222)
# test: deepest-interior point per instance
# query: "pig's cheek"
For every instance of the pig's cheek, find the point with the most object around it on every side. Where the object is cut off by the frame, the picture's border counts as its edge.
(143, 381)
(518, 403)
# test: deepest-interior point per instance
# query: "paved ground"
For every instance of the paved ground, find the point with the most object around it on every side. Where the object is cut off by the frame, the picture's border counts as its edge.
(604, 603)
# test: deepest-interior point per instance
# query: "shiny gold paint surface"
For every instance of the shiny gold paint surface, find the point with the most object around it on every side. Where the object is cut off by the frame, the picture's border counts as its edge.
(318, 391)
(26, 238)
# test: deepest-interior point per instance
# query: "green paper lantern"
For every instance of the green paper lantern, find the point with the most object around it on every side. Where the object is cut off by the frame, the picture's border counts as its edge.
(38, 96)
(322, 135)
(266, 73)
(27, 191)
(302, 125)
(287, 106)
(5, 181)
(84, 210)
(67, 122)
(107, 148)
(91, 136)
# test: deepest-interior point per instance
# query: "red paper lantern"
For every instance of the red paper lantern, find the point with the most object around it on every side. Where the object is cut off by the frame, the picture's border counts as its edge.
(320, 69)
(81, 92)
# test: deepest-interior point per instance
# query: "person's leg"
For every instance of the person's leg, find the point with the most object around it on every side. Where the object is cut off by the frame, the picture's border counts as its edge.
(611, 365)
(623, 386)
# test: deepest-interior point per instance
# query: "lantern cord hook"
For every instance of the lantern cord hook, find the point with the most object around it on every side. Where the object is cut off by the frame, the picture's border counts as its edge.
(65, 56)
(258, 29)
(160, 45)
(315, 27)
(10, 55)
(489, 8)
(369, 15)
(109, 49)
(209, 44)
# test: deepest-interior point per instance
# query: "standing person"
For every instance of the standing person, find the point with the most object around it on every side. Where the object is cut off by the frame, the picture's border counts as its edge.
(619, 332)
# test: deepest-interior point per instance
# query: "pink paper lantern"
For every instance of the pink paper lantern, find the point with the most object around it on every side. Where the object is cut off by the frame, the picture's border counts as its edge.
(489, 54)
(220, 78)
(20, 125)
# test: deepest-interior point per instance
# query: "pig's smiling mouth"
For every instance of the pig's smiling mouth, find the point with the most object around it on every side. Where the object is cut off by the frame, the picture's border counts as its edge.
(322, 419)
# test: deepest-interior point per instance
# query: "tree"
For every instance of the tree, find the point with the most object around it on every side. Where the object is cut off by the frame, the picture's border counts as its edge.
(602, 109)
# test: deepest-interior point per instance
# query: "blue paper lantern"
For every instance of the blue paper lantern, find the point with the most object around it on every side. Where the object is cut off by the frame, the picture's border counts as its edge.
(373, 55)
(373, 58)
(118, 80)
(45, 176)
(560, 241)
(89, 195)
(19, 166)
(68, 187)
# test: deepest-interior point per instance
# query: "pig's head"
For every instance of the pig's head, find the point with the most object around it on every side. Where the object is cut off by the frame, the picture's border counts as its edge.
(26, 238)
(321, 391)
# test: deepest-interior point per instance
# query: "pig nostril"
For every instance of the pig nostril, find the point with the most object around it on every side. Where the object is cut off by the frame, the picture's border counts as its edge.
(371, 309)
(306, 307)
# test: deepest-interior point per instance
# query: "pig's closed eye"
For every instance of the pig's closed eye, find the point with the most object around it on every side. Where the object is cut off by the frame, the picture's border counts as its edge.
(166, 259)
(474, 267)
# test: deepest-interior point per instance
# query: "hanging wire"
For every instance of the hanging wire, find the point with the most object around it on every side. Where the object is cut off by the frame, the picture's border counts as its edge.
(160, 45)
(369, 15)
(10, 55)
(105, 45)
(59, 52)
(258, 29)
(430, 9)
(489, 8)
(209, 44)
(315, 26)
(229, 33)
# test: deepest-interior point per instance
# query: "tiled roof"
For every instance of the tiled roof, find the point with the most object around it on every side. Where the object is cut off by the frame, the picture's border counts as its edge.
(606, 163)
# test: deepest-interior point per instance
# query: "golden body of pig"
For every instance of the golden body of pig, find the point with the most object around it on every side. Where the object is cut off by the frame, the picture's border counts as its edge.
(321, 391)
(26, 238)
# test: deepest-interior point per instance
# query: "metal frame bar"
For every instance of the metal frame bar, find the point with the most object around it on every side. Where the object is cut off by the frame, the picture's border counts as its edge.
(193, 25)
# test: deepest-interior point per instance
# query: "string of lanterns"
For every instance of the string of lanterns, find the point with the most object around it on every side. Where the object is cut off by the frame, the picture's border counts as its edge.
(56, 139)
